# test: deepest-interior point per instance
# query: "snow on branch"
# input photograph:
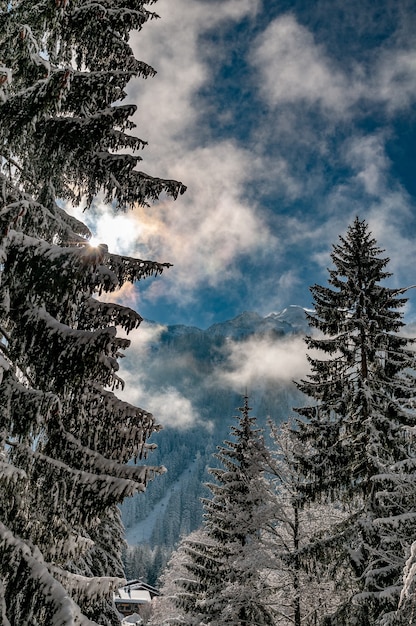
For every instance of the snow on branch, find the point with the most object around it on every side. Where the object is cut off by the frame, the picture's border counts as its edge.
(63, 610)
(94, 312)
(90, 587)
(101, 465)
(101, 487)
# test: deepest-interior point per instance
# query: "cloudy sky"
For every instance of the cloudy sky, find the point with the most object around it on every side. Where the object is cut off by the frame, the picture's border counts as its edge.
(285, 119)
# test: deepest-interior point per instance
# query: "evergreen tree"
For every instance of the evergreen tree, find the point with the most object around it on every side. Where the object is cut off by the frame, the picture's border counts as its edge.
(407, 606)
(168, 608)
(66, 437)
(226, 565)
(361, 453)
(302, 597)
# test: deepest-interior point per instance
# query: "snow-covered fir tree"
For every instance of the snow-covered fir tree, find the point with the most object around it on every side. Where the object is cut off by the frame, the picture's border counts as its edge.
(362, 392)
(407, 605)
(174, 605)
(225, 567)
(66, 437)
(302, 595)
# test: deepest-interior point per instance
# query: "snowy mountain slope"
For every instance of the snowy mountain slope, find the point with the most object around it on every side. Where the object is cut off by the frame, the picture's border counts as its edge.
(141, 531)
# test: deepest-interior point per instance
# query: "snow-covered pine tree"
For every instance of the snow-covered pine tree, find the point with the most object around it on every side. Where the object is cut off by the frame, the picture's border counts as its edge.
(226, 565)
(301, 595)
(361, 452)
(180, 588)
(66, 437)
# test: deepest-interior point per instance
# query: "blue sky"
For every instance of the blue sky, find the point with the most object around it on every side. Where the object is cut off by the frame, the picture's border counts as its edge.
(285, 120)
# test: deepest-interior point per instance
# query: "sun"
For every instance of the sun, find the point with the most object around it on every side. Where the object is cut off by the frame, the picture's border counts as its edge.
(120, 232)
(93, 242)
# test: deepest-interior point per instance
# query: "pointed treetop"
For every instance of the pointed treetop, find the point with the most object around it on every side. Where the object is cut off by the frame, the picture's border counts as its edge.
(245, 410)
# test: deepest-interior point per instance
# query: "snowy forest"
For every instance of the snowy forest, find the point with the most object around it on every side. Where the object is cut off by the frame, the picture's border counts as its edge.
(310, 522)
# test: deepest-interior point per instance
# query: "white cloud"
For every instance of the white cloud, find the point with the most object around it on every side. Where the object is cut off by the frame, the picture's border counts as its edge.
(385, 204)
(170, 114)
(144, 337)
(367, 156)
(213, 225)
(119, 232)
(370, 192)
(173, 409)
(208, 229)
(168, 405)
(287, 280)
(395, 79)
(293, 68)
(255, 361)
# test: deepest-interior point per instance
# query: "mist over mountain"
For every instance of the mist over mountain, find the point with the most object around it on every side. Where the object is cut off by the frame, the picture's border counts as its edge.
(193, 380)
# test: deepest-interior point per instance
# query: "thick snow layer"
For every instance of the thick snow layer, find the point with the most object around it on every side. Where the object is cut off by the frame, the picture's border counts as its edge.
(134, 596)
(130, 620)
(66, 611)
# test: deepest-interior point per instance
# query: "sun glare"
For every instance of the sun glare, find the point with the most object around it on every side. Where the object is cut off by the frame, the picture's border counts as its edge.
(120, 233)
(93, 242)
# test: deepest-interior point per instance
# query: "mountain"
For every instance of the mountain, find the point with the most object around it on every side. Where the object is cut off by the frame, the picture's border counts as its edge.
(289, 321)
(185, 376)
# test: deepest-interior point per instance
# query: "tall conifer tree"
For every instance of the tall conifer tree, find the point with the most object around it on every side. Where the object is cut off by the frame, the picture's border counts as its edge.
(361, 451)
(302, 597)
(65, 436)
(226, 564)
